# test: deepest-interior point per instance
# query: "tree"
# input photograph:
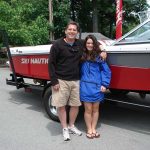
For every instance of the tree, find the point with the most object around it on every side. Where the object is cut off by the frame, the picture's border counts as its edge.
(61, 12)
(95, 16)
(25, 23)
(106, 11)
(129, 20)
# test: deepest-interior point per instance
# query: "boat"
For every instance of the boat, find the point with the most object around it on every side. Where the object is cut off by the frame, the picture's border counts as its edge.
(129, 60)
(31, 61)
(128, 57)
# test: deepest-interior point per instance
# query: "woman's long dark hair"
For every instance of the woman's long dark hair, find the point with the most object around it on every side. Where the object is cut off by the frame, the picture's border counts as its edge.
(95, 52)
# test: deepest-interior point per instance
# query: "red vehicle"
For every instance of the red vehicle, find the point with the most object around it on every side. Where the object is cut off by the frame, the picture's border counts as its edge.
(128, 57)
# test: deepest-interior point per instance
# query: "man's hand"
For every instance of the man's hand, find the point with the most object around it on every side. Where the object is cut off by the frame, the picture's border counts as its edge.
(103, 89)
(56, 87)
(103, 55)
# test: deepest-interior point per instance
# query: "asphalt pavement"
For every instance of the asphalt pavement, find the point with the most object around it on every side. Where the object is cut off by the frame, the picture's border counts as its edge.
(24, 125)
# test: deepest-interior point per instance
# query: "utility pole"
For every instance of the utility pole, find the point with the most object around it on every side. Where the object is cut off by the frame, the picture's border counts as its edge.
(51, 34)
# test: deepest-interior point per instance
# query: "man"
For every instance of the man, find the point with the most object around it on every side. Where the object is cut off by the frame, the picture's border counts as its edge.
(64, 60)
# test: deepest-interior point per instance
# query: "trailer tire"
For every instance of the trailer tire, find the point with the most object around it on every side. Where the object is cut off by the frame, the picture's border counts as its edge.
(51, 110)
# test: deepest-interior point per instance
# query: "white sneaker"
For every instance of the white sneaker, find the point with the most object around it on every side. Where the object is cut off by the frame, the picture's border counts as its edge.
(66, 134)
(74, 130)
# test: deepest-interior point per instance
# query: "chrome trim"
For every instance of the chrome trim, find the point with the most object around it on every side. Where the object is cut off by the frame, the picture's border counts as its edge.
(129, 103)
(25, 54)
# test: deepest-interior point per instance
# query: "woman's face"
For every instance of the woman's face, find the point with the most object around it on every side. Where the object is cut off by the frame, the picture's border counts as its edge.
(89, 44)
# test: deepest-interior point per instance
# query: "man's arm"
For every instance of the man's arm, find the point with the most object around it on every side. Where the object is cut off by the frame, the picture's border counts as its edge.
(103, 53)
(52, 65)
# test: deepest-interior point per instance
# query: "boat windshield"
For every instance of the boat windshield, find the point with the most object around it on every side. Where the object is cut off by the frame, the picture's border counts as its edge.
(142, 34)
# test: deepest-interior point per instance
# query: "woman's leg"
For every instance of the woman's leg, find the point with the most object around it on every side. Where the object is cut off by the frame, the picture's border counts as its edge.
(95, 116)
(88, 116)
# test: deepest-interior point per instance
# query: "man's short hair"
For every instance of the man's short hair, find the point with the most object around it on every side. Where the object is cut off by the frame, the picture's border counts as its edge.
(73, 23)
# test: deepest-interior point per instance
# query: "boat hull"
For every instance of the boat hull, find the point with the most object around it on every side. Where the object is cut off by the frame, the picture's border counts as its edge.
(32, 66)
(129, 71)
(130, 78)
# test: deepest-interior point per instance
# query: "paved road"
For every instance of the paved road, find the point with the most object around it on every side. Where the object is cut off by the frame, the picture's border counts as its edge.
(24, 125)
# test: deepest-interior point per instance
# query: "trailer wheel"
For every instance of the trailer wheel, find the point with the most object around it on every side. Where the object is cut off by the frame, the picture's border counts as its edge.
(51, 110)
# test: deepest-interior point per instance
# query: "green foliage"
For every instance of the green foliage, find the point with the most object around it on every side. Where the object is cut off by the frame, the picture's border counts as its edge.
(129, 20)
(61, 16)
(27, 21)
(83, 13)
(24, 23)
(106, 15)
(1, 45)
(33, 34)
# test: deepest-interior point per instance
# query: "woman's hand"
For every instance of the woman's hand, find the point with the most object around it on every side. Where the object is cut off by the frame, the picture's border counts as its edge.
(103, 89)
(56, 87)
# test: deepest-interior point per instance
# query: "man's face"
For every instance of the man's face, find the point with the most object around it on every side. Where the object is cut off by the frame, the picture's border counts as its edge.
(71, 32)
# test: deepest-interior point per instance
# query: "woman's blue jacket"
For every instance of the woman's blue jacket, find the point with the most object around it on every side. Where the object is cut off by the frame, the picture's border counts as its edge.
(93, 75)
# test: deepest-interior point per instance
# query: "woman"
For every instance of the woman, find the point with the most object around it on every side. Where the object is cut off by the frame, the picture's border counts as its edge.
(95, 78)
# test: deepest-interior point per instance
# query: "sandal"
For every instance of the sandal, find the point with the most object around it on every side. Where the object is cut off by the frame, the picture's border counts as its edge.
(89, 135)
(96, 135)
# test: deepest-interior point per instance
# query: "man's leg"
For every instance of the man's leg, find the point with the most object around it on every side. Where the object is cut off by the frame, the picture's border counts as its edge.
(74, 103)
(59, 99)
(62, 116)
(73, 115)
(63, 120)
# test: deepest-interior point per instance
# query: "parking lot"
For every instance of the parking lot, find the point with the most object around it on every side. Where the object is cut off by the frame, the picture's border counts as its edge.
(24, 125)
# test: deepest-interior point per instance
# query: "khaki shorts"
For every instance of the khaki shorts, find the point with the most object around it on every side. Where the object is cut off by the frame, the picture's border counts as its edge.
(68, 94)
